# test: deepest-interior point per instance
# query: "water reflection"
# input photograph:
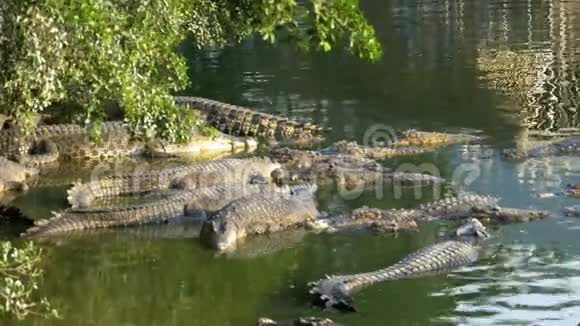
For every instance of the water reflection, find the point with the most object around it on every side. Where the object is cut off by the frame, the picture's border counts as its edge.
(533, 58)
(523, 284)
(437, 54)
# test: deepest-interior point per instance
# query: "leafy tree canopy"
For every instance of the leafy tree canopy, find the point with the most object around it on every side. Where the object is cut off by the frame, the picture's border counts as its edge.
(86, 53)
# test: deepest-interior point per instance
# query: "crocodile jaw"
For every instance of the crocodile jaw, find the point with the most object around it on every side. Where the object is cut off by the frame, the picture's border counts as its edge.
(222, 236)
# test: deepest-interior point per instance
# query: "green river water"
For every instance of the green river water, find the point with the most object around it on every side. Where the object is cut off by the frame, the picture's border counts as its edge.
(449, 65)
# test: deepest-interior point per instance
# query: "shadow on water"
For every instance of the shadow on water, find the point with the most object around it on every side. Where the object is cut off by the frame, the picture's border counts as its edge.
(508, 69)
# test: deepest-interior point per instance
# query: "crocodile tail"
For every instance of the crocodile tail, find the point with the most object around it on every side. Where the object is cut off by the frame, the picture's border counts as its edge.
(79, 195)
(43, 226)
(329, 293)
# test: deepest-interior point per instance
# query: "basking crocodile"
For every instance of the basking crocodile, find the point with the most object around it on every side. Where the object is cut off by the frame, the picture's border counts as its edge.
(48, 143)
(259, 214)
(192, 176)
(185, 229)
(566, 146)
(429, 139)
(460, 249)
(373, 153)
(465, 204)
(344, 169)
(240, 121)
(177, 206)
(13, 175)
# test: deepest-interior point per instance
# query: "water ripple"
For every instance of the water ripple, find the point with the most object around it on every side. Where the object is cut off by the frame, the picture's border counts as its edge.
(522, 284)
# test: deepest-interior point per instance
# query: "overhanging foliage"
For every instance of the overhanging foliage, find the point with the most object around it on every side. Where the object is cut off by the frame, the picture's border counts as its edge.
(87, 53)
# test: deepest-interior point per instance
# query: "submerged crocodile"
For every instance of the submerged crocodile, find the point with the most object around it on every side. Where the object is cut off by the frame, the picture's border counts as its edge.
(459, 250)
(259, 214)
(483, 207)
(192, 176)
(372, 152)
(240, 121)
(430, 139)
(566, 146)
(366, 218)
(467, 204)
(177, 206)
(49, 143)
(345, 169)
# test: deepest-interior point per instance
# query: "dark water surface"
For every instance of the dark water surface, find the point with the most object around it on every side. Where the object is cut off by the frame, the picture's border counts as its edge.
(506, 69)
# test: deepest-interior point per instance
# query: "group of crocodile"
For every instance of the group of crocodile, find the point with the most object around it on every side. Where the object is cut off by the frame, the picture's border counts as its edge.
(460, 206)
(197, 188)
(238, 198)
(49, 142)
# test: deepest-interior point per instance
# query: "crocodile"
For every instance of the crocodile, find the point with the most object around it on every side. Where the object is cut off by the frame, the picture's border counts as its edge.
(365, 218)
(465, 204)
(344, 169)
(13, 175)
(566, 146)
(428, 139)
(175, 207)
(259, 214)
(192, 176)
(373, 152)
(49, 143)
(185, 229)
(241, 121)
(460, 249)
(73, 219)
